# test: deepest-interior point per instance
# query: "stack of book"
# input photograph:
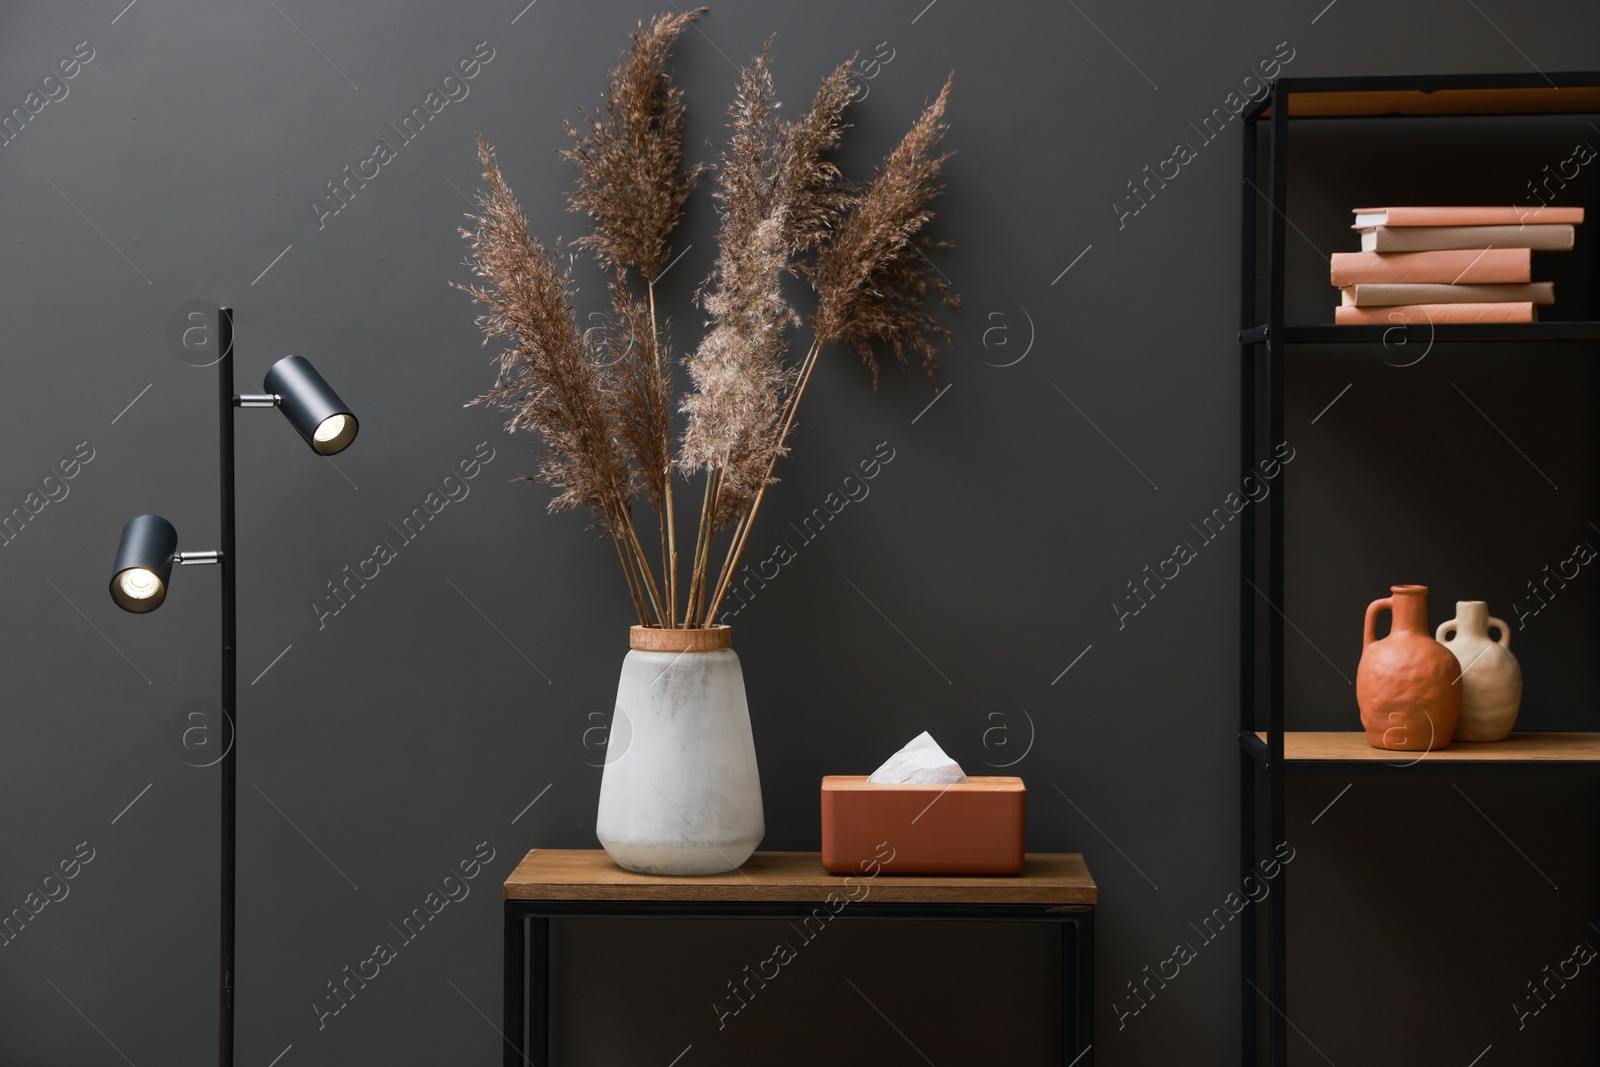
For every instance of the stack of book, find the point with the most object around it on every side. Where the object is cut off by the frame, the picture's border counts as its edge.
(1448, 264)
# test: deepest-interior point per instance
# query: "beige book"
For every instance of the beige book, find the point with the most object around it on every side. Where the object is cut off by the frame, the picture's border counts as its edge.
(1435, 313)
(1541, 238)
(1508, 215)
(1422, 293)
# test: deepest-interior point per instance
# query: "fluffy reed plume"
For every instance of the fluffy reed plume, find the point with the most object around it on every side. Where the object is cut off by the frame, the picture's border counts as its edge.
(808, 182)
(641, 395)
(871, 278)
(630, 179)
(738, 371)
(548, 378)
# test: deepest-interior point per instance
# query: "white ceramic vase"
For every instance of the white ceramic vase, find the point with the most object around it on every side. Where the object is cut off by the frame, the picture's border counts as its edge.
(1491, 678)
(680, 793)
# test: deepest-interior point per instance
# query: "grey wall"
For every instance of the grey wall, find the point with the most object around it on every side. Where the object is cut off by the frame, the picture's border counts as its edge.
(387, 743)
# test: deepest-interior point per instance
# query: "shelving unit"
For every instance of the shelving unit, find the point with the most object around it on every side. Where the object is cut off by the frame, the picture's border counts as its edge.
(1264, 341)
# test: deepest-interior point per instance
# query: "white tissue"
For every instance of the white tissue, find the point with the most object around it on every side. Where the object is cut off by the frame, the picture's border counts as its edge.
(921, 762)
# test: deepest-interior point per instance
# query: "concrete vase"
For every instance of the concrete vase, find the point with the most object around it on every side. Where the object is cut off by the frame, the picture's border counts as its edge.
(680, 793)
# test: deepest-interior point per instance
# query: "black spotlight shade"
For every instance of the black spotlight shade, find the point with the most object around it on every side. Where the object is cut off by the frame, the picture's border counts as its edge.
(314, 409)
(144, 563)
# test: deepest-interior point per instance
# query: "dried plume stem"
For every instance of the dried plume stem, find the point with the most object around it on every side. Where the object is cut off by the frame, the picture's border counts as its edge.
(633, 582)
(669, 522)
(698, 572)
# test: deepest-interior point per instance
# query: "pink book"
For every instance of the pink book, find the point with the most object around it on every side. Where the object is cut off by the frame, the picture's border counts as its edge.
(1436, 313)
(1509, 215)
(1448, 267)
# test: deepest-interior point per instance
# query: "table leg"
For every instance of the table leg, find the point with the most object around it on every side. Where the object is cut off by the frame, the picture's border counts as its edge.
(539, 989)
(514, 1006)
(1077, 975)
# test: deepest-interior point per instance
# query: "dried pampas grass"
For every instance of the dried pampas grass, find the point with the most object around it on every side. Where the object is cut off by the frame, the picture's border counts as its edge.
(603, 401)
(872, 277)
(630, 176)
(548, 378)
(809, 182)
(738, 370)
(633, 186)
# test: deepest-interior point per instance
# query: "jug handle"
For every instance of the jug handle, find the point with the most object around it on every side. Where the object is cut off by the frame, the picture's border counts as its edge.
(1505, 632)
(1367, 633)
(1444, 628)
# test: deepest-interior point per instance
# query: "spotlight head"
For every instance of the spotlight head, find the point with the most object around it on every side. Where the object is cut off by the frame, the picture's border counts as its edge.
(145, 556)
(311, 406)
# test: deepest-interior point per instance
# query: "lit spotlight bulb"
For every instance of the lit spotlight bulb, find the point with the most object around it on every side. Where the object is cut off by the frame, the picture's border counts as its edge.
(330, 428)
(140, 583)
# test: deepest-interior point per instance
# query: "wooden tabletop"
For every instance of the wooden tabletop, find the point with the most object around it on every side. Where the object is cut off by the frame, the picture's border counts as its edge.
(589, 874)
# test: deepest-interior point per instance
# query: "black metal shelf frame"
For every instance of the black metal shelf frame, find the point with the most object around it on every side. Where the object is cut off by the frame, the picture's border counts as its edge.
(1263, 341)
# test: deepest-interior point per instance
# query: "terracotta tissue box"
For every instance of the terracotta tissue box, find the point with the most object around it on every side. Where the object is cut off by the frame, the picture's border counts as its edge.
(971, 827)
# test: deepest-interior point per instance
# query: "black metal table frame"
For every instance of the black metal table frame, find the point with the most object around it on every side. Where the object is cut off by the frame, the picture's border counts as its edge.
(526, 1024)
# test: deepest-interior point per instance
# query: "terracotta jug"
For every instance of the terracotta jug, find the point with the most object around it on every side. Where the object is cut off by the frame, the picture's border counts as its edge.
(1491, 678)
(1408, 684)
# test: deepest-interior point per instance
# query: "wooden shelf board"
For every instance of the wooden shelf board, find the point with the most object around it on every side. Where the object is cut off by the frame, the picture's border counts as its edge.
(1541, 100)
(589, 874)
(1353, 747)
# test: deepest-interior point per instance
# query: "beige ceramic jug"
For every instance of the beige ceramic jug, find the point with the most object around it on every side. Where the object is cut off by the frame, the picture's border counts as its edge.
(1491, 679)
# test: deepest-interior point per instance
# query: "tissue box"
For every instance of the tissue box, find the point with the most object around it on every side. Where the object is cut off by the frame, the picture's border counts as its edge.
(971, 827)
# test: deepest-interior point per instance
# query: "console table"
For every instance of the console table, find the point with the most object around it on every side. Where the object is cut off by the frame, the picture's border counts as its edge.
(584, 883)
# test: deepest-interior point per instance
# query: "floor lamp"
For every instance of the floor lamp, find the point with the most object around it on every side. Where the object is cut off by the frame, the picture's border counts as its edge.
(149, 548)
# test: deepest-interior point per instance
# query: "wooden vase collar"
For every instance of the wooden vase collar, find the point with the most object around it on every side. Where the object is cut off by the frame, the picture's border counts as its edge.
(656, 639)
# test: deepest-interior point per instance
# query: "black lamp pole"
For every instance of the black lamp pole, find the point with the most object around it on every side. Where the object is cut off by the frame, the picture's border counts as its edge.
(149, 548)
(230, 682)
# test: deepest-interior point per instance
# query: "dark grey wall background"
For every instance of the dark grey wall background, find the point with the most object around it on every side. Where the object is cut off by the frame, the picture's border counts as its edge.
(461, 685)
